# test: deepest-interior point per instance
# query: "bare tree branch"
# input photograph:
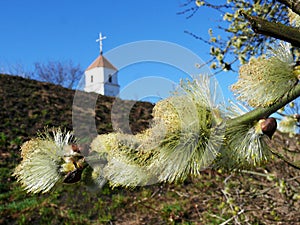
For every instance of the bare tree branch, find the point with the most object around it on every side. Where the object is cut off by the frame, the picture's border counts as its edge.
(292, 4)
(62, 73)
(276, 30)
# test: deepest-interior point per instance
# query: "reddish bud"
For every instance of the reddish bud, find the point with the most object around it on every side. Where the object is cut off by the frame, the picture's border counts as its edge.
(269, 126)
(73, 176)
(75, 148)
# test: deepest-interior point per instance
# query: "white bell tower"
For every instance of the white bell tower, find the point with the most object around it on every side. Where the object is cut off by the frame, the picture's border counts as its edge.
(101, 76)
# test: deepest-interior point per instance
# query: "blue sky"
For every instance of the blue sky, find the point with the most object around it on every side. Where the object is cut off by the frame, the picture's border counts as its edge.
(39, 31)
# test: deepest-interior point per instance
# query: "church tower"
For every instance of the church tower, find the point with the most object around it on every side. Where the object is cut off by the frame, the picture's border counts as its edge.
(101, 76)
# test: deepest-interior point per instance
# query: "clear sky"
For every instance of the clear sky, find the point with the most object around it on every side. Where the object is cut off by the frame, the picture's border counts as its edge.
(39, 31)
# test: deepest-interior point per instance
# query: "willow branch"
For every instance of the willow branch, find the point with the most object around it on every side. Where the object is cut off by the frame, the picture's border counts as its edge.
(264, 112)
(292, 4)
(276, 30)
(280, 156)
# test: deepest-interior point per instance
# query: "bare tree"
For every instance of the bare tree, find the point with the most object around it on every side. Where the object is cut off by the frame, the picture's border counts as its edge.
(17, 69)
(65, 74)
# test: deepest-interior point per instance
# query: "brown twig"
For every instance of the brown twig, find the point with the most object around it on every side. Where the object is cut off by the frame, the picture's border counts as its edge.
(292, 4)
(276, 30)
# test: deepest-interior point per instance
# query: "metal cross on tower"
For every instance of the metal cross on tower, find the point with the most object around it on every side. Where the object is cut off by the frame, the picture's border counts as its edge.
(101, 38)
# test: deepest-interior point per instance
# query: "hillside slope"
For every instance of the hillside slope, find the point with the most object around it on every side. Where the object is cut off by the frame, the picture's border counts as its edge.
(29, 106)
(269, 195)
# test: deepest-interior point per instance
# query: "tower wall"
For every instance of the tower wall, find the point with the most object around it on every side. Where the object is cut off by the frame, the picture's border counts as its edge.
(102, 80)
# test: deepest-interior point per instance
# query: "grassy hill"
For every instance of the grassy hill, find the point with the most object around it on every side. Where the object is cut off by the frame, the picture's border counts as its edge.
(269, 195)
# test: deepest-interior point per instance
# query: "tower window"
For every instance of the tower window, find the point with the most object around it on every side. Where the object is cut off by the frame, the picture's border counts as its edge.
(109, 79)
(92, 78)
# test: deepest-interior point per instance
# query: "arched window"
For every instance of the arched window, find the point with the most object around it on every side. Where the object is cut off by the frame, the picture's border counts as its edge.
(92, 78)
(110, 79)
